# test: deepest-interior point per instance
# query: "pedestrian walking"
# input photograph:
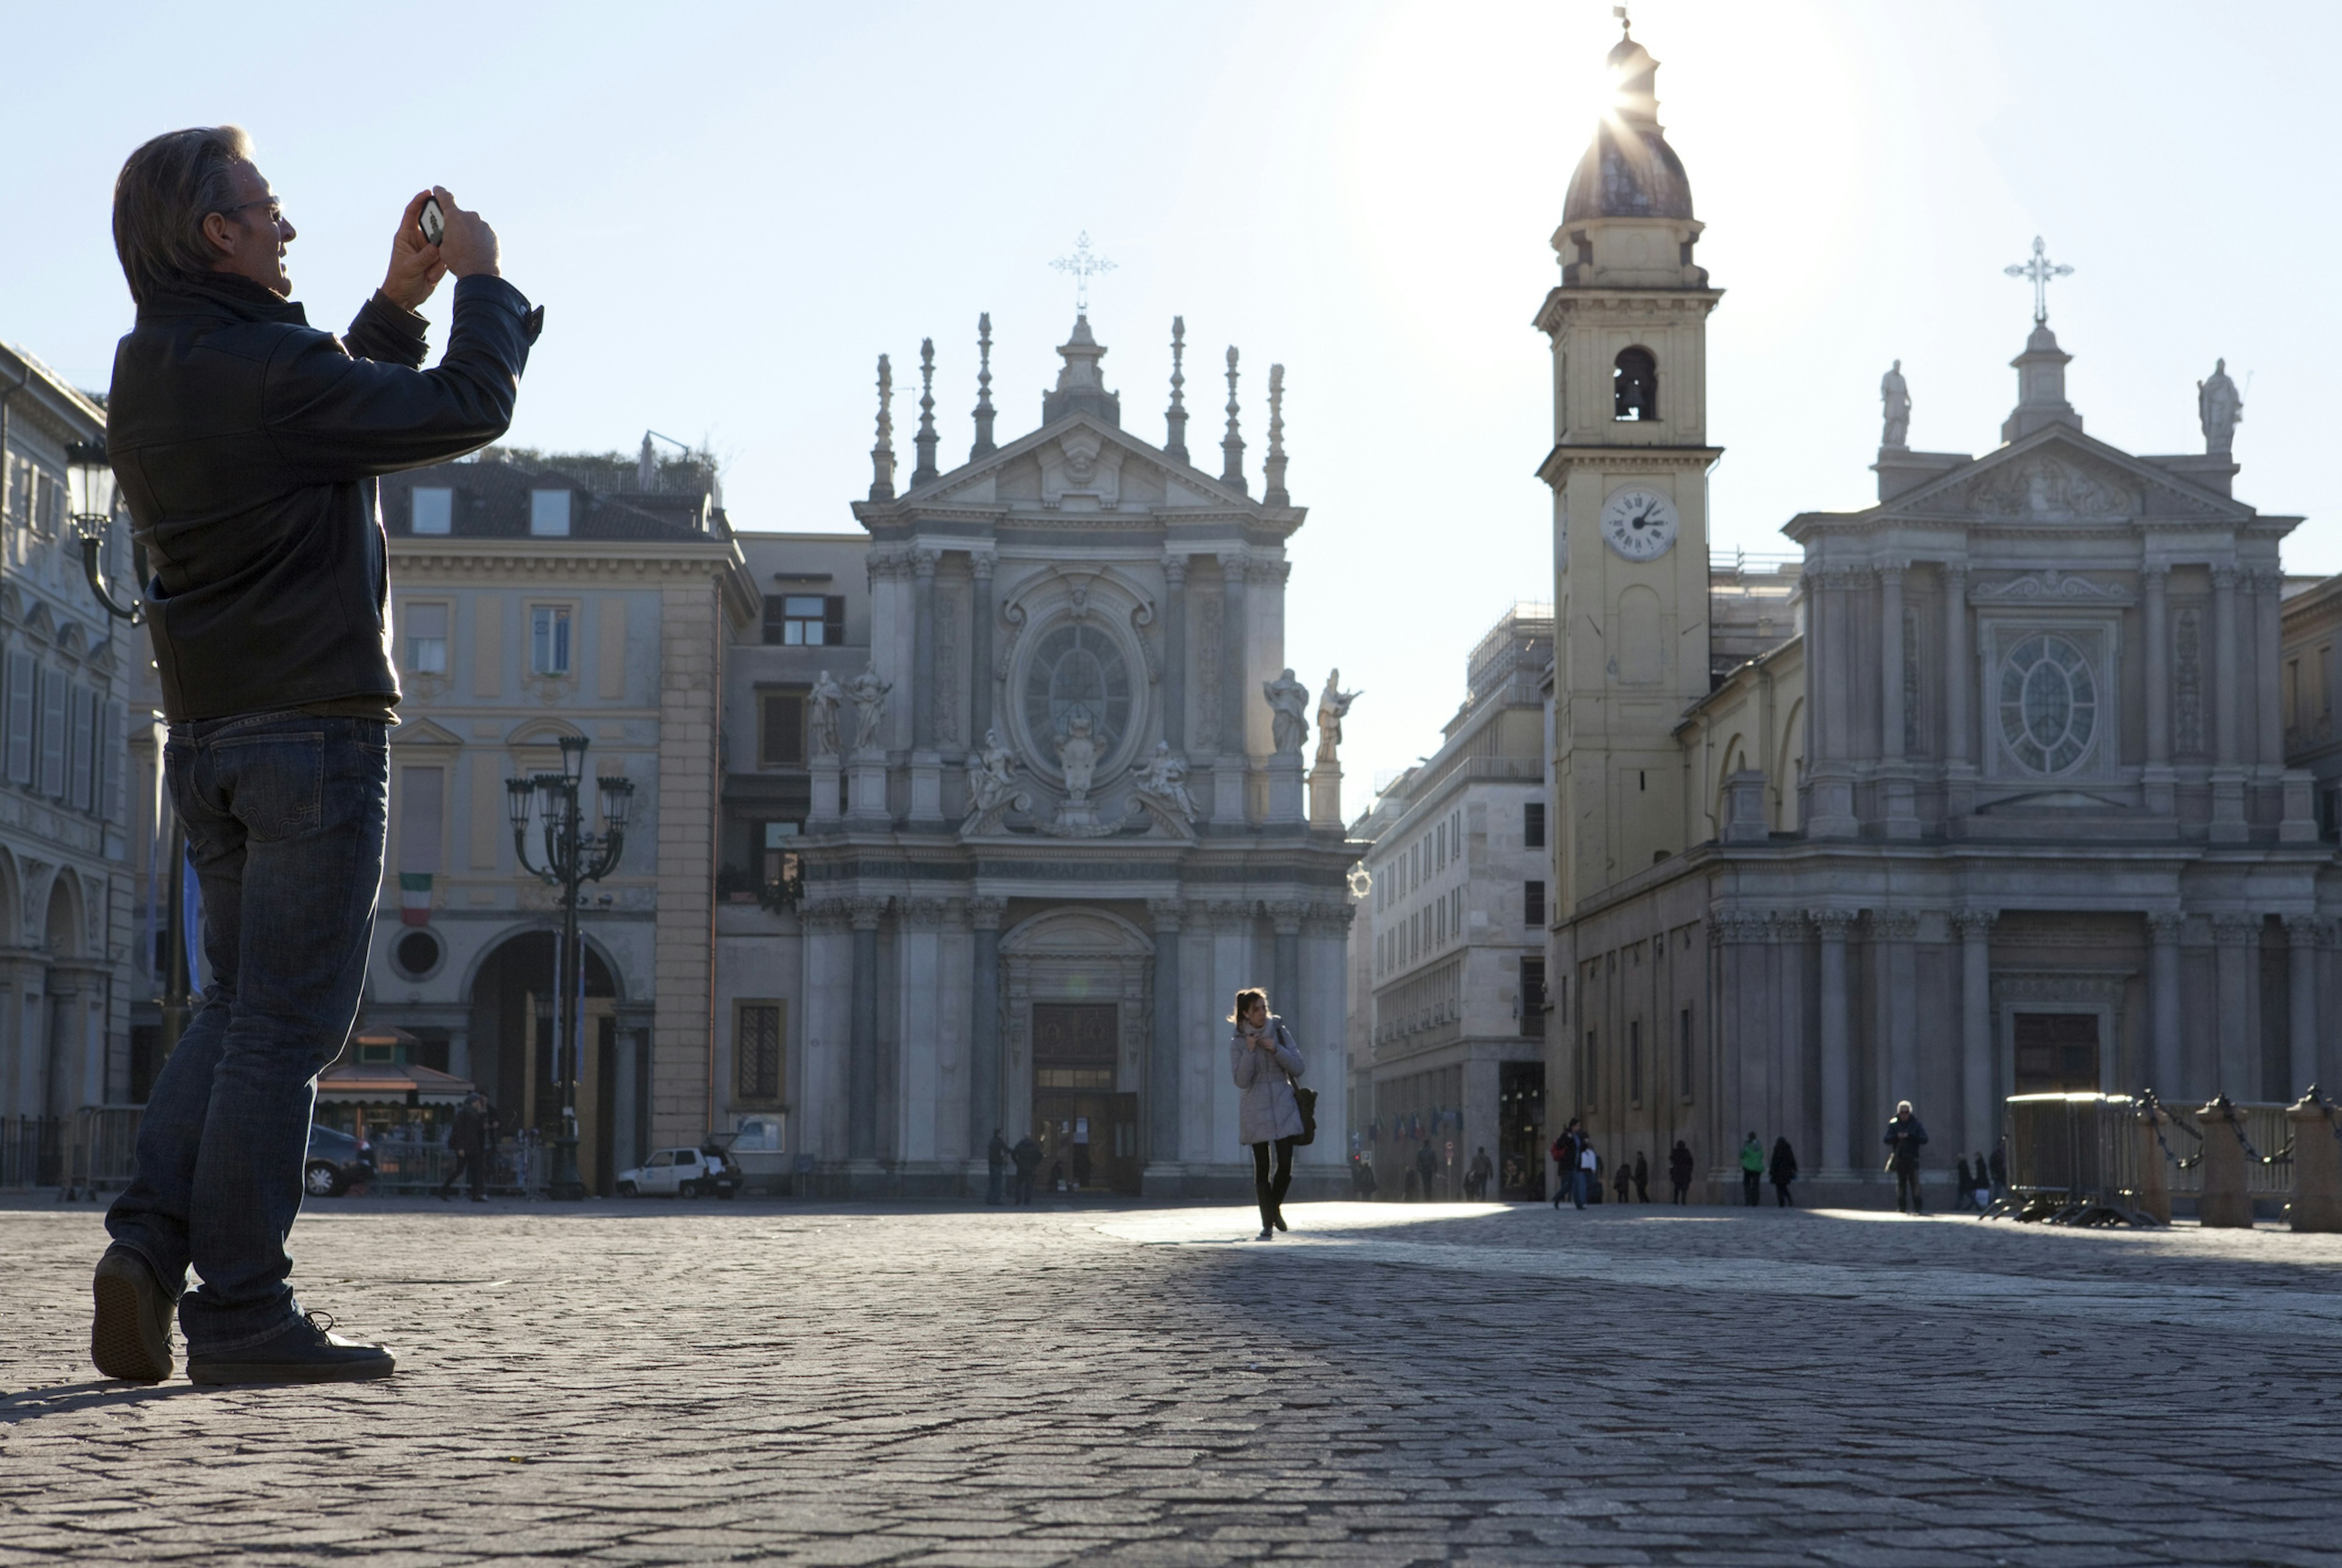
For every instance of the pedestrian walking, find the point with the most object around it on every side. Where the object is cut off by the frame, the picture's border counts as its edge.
(1475, 1179)
(1027, 1155)
(1427, 1168)
(1642, 1178)
(1983, 1183)
(1679, 1169)
(1362, 1178)
(1785, 1171)
(1752, 1169)
(465, 1140)
(1565, 1165)
(1588, 1165)
(247, 445)
(2000, 1169)
(1267, 1067)
(1904, 1137)
(996, 1168)
(1620, 1179)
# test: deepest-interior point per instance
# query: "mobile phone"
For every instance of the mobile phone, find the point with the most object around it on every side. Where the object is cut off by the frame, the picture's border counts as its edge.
(432, 222)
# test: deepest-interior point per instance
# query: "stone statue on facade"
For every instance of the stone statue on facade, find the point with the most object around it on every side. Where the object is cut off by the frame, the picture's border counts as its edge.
(991, 786)
(868, 693)
(1894, 394)
(1332, 704)
(1077, 753)
(1288, 704)
(824, 699)
(2218, 409)
(1160, 786)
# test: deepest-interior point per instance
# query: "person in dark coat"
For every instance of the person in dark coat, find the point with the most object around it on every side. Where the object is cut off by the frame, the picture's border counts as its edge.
(1565, 1164)
(1475, 1178)
(1642, 1178)
(1904, 1138)
(467, 1139)
(996, 1166)
(1427, 1168)
(1619, 1179)
(1785, 1171)
(1027, 1156)
(2000, 1169)
(1679, 1169)
(1752, 1168)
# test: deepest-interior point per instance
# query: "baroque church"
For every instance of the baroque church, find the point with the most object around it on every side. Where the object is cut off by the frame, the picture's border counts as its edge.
(1065, 813)
(2007, 808)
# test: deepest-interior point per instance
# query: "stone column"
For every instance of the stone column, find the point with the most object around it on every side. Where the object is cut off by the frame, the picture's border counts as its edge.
(1837, 1062)
(1285, 969)
(2301, 998)
(923, 650)
(2268, 637)
(2229, 693)
(2169, 1082)
(1175, 652)
(983, 1111)
(861, 1062)
(2155, 583)
(1229, 780)
(1829, 662)
(1164, 1084)
(1890, 660)
(1959, 673)
(981, 615)
(1976, 1049)
(625, 1104)
(2236, 942)
(1896, 931)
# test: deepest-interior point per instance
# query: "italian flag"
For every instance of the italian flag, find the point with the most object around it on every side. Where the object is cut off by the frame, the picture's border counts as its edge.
(414, 897)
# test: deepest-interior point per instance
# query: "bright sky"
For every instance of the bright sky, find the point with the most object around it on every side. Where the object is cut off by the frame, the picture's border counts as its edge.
(730, 211)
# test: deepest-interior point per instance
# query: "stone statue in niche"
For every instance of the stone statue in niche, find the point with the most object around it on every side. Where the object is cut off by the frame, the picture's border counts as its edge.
(1077, 754)
(868, 693)
(1332, 704)
(2218, 409)
(1161, 784)
(1289, 705)
(991, 786)
(1894, 394)
(824, 699)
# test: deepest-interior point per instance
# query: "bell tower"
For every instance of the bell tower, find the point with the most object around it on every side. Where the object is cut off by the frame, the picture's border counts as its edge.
(1629, 466)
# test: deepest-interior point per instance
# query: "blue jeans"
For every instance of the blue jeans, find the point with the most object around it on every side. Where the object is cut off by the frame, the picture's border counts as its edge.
(285, 815)
(1578, 1187)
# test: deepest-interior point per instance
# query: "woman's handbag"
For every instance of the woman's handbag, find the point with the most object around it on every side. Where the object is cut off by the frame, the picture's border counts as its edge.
(1303, 1100)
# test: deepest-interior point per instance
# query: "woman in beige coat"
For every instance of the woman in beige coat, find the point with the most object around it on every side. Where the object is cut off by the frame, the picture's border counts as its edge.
(1266, 1062)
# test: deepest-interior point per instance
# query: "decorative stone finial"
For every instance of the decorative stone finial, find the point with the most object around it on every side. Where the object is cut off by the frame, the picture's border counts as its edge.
(1081, 387)
(983, 387)
(1273, 471)
(1176, 443)
(926, 441)
(1232, 444)
(882, 457)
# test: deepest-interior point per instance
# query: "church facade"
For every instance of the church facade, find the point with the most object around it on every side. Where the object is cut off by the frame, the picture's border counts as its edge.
(1063, 813)
(2009, 809)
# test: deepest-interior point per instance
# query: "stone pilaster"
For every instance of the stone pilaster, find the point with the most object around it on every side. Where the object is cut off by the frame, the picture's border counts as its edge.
(1175, 651)
(683, 1106)
(1228, 773)
(2302, 932)
(984, 1112)
(862, 1061)
(1163, 1068)
(982, 614)
(1980, 1109)
(2171, 1078)
(2155, 610)
(2228, 779)
(1837, 1053)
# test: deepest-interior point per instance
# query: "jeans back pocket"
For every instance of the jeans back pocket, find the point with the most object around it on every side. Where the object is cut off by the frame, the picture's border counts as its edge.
(274, 783)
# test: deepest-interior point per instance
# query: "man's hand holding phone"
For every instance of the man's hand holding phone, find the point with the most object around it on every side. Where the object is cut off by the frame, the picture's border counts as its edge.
(436, 237)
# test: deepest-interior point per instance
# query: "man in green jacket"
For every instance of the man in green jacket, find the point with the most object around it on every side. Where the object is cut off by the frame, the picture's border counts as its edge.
(1752, 1169)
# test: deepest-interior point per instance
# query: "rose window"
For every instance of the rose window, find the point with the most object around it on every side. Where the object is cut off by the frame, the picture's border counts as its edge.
(1077, 665)
(2049, 704)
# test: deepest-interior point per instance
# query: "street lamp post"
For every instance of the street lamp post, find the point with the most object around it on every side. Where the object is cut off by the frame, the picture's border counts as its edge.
(573, 857)
(95, 502)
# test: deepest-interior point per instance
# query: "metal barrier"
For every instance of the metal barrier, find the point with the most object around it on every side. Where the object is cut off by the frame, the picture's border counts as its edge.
(102, 1155)
(2077, 1160)
(32, 1151)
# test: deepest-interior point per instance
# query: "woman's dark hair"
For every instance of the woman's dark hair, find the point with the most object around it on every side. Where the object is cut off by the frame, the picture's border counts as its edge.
(165, 190)
(1245, 999)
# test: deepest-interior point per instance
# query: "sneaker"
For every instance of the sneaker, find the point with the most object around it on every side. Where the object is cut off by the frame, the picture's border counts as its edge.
(130, 1333)
(306, 1351)
(1277, 1219)
(1265, 1234)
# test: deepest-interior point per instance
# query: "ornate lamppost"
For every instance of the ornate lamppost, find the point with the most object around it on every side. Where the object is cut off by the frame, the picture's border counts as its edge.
(95, 502)
(573, 857)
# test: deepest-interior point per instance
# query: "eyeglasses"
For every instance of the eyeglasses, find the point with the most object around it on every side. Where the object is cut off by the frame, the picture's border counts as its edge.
(275, 208)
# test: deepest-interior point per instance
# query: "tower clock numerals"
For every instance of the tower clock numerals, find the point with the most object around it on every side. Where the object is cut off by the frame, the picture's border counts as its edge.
(1640, 524)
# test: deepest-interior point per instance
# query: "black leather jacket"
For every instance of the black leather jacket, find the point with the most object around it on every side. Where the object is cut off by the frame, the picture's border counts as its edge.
(247, 444)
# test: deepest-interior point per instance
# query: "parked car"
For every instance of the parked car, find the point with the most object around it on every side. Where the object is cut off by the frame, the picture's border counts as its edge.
(683, 1173)
(336, 1164)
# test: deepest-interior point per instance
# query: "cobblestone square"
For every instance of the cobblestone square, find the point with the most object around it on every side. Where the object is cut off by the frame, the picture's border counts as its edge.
(656, 1382)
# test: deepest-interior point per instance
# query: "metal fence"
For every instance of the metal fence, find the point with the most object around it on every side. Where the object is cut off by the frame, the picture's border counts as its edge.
(102, 1153)
(32, 1151)
(2074, 1159)
(410, 1168)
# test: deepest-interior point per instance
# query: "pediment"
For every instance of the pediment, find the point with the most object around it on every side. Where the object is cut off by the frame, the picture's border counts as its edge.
(413, 732)
(1079, 463)
(2061, 475)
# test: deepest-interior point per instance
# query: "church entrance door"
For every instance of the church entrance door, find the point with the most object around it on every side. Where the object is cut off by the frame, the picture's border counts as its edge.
(2056, 1053)
(1087, 1132)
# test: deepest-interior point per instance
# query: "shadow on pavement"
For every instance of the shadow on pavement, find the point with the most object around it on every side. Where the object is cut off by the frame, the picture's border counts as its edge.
(65, 1398)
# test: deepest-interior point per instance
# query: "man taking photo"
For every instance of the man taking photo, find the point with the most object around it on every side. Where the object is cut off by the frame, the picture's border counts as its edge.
(247, 445)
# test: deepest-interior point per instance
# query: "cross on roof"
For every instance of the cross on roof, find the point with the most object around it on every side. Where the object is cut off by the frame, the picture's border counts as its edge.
(2040, 270)
(1084, 265)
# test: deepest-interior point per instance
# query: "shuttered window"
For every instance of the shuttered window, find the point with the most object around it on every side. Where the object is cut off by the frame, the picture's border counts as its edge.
(109, 788)
(85, 735)
(23, 672)
(421, 818)
(756, 1050)
(55, 725)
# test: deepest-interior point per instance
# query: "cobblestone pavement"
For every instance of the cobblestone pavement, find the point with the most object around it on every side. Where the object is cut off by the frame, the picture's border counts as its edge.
(684, 1382)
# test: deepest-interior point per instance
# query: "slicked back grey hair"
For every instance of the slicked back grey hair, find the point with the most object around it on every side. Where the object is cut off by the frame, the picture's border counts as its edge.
(161, 198)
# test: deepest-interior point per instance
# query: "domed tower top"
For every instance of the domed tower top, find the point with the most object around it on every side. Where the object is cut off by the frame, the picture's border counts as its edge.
(1629, 171)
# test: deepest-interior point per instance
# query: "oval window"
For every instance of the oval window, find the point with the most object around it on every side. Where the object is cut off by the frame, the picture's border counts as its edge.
(2049, 704)
(1077, 665)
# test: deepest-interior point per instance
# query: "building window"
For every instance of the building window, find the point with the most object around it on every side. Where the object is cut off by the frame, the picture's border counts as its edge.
(781, 729)
(804, 620)
(422, 818)
(776, 852)
(427, 639)
(51, 507)
(548, 513)
(1532, 903)
(1533, 824)
(1532, 997)
(1634, 384)
(1591, 1060)
(431, 510)
(2049, 704)
(1683, 1056)
(548, 638)
(756, 1050)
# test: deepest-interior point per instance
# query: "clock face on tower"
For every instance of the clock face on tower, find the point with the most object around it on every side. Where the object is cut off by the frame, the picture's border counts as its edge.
(1640, 524)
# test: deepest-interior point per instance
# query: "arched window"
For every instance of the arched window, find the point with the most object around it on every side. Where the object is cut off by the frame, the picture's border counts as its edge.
(1634, 384)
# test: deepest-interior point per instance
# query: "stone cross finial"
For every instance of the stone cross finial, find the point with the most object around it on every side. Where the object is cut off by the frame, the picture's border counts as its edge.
(983, 387)
(2040, 270)
(1175, 444)
(1272, 470)
(1232, 444)
(882, 455)
(926, 441)
(1084, 265)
